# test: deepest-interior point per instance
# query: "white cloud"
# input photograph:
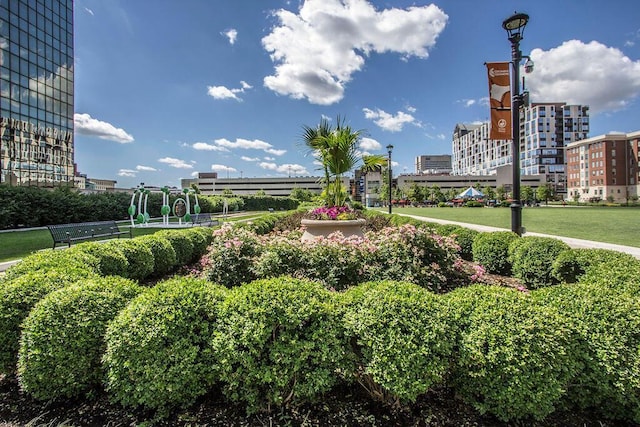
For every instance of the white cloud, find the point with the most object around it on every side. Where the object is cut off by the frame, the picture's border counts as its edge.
(231, 34)
(387, 121)
(221, 92)
(146, 168)
(584, 73)
(316, 51)
(175, 163)
(223, 168)
(86, 125)
(269, 159)
(127, 173)
(250, 159)
(369, 144)
(286, 168)
(203, 146)
(195, 174)
(89, 11)
(411, 109)
(246, 144)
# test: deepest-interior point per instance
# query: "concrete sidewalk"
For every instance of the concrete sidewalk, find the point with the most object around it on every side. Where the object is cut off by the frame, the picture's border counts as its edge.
(574, 243)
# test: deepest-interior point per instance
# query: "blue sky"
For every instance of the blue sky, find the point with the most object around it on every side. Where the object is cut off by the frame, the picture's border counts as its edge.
(165, 89)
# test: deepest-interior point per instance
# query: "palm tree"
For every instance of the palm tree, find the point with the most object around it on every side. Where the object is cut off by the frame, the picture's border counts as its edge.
(337, 149)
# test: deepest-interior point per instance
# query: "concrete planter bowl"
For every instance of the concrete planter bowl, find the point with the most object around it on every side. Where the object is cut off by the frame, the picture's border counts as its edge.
(322, 228)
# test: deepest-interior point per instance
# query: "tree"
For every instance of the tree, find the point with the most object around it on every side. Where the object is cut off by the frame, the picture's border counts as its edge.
(545, 192)
(301, 194)
(526, 194)
(261, 193)
(501, 192)
(415, 193)
(489, 192)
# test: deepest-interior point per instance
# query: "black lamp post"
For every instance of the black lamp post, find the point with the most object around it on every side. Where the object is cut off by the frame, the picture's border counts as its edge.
(389, 150)
(515, 29)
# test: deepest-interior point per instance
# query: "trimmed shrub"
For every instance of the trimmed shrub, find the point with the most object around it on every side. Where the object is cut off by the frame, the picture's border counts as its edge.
(402, 338)
(53, 259)
(139, 257)
(280, 341)
(512, 356)
(491, 250)
(446, 229)
(110, 262)
(231, 256)
(532, 260)
(158, 354)
(181, 244)
(199, 240)
(572, 264)
(464, 238)
(62, 340)
(164, 256)
(17, 298)
(621, 274)
(606, 346)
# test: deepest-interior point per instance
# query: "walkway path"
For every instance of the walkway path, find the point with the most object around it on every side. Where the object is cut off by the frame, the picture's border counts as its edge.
(574, 243)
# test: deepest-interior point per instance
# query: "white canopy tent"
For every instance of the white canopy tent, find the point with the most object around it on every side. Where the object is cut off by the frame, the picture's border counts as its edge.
(470, 193)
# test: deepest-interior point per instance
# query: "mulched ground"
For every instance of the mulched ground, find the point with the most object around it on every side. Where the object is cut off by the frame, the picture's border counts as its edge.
(343, 407)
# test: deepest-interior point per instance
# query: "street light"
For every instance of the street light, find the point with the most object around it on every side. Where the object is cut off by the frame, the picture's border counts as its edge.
(389, 150)
(515, 29)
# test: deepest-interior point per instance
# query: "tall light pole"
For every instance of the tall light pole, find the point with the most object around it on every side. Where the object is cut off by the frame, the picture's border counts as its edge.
(515, 29)
(389, 150)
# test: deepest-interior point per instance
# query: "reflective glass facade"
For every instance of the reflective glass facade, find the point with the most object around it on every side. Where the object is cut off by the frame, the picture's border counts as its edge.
(36, 88)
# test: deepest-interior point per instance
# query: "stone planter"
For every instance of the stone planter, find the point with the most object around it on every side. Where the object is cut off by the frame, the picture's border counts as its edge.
(316, 228)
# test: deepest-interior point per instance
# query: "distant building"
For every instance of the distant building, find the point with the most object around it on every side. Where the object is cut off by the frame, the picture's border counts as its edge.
(36, 109)
(211, 184)
(433, 164)
(545, 130)
(604, 167)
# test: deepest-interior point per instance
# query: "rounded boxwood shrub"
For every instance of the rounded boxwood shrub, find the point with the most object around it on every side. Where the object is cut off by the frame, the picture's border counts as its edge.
(512, 357)
(491, 250)
(62, 340)
(280, 341)
(53, 259)
(532, 260)
(572, 264)
(139, 257)
(464, 238)
(158, 353)
(401, 334)
(181, 244)
(621, 274)
(164, 256)
(199, 240)
(17, 298)
(110, 262)
(606, 346)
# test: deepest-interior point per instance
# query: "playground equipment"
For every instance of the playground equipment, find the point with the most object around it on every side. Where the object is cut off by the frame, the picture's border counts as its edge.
(181, 207)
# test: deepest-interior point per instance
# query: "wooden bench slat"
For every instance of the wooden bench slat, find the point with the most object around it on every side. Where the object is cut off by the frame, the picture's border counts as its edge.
(68, 233)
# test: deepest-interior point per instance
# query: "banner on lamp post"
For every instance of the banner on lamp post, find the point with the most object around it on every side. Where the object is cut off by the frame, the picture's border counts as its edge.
(499, 99)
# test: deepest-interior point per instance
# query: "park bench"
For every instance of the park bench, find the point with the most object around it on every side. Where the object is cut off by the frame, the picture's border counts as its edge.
(70, 233)
(204, 219)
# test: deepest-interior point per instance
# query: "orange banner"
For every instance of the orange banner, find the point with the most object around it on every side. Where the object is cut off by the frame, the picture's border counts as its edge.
(499, 99)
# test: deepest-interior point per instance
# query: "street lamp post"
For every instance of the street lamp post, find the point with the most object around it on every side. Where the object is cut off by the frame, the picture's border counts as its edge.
(515, 29)
(389, 150)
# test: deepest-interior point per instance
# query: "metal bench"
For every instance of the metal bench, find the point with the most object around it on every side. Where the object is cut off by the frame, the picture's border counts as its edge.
(70, 233)
(204, 219)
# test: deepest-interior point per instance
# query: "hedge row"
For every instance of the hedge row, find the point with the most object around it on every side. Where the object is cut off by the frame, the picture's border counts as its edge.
(283, 341)
(27, 282)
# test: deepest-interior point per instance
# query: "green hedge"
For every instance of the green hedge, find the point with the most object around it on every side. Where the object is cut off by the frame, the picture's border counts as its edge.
(49, 259)
(17, 298)
(402, 336)
(157, 353)
(181, 243)
(512, 358)
(491, 250)
(280, 341)
(110, 262)
(606, 345)
(140, 260)
(164, 256)
(62, 340)
(532, 260)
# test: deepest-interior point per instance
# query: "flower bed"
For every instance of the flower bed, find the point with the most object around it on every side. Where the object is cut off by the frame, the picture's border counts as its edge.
(284, 336)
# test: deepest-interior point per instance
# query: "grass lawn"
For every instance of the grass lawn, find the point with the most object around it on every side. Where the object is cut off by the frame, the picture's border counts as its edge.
(617, 225)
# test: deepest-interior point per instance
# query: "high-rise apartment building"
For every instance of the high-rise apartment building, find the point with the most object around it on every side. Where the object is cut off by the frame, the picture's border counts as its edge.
(433, 164)
(545, 131)
(604, 167)
(36, 85)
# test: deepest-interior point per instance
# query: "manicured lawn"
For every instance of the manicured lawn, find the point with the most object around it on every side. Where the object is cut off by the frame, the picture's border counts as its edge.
(617, 225)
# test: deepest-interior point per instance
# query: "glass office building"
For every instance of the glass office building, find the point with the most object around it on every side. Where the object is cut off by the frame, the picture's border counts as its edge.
(36, 78)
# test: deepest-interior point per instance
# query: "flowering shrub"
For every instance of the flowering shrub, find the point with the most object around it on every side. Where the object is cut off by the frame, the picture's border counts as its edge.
(340, 213)
(403, 253)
